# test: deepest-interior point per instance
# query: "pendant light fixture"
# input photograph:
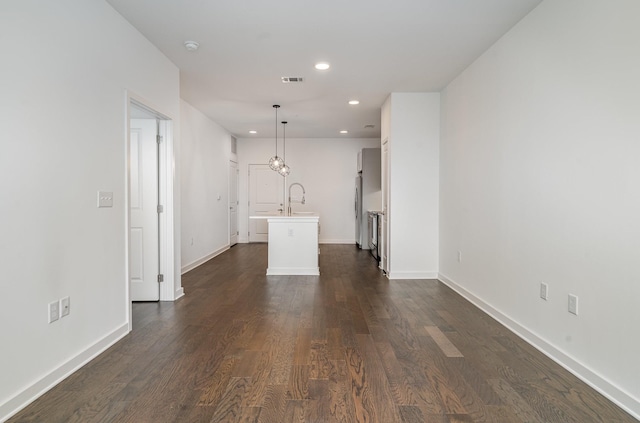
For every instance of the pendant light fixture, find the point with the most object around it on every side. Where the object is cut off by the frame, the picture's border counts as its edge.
(284, 170)
(275, 163)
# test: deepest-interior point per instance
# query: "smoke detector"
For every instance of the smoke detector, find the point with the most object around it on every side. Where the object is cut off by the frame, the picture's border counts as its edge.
(191, 45)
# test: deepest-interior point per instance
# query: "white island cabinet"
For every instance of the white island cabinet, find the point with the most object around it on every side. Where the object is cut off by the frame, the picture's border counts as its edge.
(293, 244)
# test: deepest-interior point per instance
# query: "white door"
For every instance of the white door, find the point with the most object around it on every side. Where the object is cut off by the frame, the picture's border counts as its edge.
(383, 245)
(266, 196)
(143, 253)
(233, 203)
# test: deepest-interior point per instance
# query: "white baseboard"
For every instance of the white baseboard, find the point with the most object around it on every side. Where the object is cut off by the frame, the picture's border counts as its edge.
(201, 260)
(614, 393)
(57, 375)
(179, 293)
(309, 271)
(336, 241)
(412, 275)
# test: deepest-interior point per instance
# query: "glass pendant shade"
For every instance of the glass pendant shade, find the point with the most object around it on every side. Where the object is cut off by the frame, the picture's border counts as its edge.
(276, 163)
(284, 170)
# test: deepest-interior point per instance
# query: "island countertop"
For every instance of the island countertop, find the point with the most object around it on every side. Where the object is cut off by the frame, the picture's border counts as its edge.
(293, 216)
(293, 243)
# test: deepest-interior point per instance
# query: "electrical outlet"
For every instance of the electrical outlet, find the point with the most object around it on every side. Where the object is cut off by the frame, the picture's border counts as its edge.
(105, 199)
(544, 290)
(573, 304)
(54, 311)
(65, 305)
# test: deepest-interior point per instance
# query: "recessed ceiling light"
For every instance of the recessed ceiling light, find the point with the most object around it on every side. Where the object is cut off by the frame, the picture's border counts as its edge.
(344, 132)
(191, 45)
(322, 66)
(354, 102)
(253, 132)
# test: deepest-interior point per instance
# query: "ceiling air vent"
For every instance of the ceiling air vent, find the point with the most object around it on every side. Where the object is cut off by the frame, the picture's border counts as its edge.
(292, 79)
(370, 126)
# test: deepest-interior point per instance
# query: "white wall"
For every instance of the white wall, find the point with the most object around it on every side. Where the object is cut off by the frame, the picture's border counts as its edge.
(205, 155)
(412, 125)
(539, 183)
(326, 167)
(66, 66)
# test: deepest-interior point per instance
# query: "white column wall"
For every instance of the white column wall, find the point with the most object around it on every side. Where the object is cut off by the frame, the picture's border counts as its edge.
(66, 68)
(327, 167)
(539, 183)
(413, 124)
(205, 155)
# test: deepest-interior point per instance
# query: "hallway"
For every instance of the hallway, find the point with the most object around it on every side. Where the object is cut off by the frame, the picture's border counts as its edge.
(347, 346)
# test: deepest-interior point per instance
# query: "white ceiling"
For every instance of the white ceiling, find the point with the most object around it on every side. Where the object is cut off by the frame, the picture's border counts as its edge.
(375, 47)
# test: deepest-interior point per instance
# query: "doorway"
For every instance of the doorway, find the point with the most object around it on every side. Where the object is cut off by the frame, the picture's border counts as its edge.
(150, 214)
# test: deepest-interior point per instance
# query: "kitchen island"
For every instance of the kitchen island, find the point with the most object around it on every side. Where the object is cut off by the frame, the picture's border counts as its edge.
(293, 243)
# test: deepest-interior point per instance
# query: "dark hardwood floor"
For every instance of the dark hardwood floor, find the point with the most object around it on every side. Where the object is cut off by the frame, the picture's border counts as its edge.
(348, 346)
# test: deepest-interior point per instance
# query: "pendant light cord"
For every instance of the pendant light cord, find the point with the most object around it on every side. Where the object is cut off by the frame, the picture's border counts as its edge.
(275, 106)
(284, 140)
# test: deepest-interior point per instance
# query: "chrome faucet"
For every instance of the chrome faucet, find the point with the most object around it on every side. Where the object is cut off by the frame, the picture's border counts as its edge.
(289, 202)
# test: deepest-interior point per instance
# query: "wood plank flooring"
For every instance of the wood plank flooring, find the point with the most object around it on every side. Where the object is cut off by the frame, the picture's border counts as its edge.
(347, 346)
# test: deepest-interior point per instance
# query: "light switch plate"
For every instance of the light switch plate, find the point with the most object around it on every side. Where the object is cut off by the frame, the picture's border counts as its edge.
(544, 290)
(65, 306)
(54, 311)
(573, 304)
(105, 199)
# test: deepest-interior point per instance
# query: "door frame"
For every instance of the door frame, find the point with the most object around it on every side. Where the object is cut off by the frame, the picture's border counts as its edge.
(234, 164)
(385, 258)
(170, 288)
